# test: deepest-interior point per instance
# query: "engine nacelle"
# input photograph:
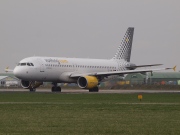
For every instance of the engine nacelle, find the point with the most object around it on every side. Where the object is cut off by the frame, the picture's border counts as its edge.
(87, 82)
(30, 84)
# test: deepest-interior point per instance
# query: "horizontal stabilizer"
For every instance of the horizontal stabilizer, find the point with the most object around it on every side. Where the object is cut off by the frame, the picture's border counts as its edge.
(174, 68)
(139, 66)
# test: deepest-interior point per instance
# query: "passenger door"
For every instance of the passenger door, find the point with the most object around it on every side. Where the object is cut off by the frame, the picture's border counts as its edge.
(42, 69)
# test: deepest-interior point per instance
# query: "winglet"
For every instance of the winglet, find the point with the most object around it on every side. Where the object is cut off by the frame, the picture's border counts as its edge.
(174, 68)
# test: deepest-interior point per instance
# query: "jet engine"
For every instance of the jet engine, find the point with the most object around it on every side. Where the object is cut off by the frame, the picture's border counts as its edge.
(87, 82)
(30, 84)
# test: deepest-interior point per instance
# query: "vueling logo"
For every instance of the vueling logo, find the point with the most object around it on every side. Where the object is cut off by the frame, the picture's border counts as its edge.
(63, 61)
(56, 60)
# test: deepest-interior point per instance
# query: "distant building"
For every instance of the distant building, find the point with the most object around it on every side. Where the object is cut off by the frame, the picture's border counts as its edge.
(164, 78)
(7, 81)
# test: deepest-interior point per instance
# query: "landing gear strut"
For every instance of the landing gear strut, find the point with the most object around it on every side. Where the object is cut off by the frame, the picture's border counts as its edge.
(95, 89)
(55, 88)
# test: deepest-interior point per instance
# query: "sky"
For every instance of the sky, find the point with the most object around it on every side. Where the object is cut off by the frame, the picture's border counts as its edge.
(89, 29)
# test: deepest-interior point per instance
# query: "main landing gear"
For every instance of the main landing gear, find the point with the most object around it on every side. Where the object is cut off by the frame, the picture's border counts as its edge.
(95, 89)
(55, 88)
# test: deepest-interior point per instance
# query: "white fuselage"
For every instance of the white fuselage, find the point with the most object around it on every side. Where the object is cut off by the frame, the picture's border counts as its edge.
(54, 69)
(87, 73)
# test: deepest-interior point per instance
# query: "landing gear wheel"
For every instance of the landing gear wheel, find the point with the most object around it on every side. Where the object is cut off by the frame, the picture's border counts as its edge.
(56, 89)
(32, 90)
(96, 89)
(53, 89)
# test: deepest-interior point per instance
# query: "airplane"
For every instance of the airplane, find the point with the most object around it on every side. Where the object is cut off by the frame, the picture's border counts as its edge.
(87, 73)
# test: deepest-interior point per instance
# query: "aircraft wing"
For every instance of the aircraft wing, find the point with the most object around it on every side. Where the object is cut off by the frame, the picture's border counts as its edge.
(118, 72)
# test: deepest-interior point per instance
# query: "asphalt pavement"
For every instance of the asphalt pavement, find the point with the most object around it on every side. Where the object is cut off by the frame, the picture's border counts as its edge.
(86, 91)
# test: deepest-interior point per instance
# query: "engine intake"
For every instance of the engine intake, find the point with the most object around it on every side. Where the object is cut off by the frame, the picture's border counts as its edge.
(87, 82)
(30, 84)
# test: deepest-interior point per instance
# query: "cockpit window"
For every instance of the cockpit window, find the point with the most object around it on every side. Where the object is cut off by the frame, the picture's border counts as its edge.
(24, 64)
(28, 64)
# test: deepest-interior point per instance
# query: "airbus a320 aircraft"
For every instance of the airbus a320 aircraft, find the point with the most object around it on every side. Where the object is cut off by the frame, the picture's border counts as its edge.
(87, 73)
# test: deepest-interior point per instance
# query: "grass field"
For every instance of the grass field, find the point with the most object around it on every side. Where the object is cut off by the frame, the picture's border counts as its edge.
(79, 114)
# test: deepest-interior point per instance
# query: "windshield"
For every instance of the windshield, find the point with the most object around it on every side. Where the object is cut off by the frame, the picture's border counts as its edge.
(25, 64)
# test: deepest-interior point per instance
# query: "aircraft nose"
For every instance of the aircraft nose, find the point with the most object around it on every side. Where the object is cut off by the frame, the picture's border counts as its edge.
(17, 72)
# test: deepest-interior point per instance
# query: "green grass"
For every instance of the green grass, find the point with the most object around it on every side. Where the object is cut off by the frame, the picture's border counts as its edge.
(79, 114)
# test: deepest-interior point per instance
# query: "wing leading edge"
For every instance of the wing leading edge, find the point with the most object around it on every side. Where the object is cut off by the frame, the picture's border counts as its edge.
(73, 75)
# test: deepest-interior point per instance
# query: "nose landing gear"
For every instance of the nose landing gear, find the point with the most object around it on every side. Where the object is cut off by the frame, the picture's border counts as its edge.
(32, 89)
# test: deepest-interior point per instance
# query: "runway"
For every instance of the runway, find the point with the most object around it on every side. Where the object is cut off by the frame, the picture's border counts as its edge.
(79, 91)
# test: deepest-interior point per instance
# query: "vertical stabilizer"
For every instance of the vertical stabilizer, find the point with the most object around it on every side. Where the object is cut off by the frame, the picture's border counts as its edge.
(124, 50)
